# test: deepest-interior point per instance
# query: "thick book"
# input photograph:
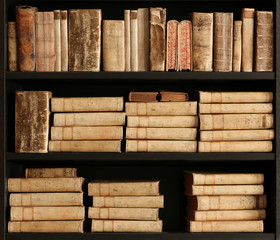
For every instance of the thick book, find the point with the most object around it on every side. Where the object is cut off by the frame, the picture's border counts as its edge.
(64, 40)
(237, 46)
(172, 45)
(32, 112)
(133, 40)
(143, 96)
(169, 96)
(127, 40)
(185, 46)
(12, 47)
(50, 172)
(57, 40)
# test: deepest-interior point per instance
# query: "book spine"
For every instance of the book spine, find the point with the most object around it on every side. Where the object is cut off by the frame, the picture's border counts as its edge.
(185, 46)
(172, 45)
(143, 96)
(134, 40)
(127, 40)
(50, 172)
(40, 42)
(57, 41)
(12, 47)
(64, 40)
(237, 46)
(49, 42)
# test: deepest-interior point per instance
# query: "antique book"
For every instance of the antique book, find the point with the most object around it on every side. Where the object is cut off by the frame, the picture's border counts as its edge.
(127, 40)
(85, 146)
(160, 146)
(87, 133)
(47, 213)
(123, 188)
(223, 41)
(87, 104)
(185, 46)
(172, 45)
(46, 226)
(237, 46)
(89, 119)
(143, 96)
(32, 111)
(84, 39)
(157, 39)
(45, 184)
(166, 96)
(12, 47)
(236, 121)
(64, 40)
(133, 41)
(129, 201)
(114, 45)
(50, 172)
(25, 21)
(40, 42)
(45, 199)
(247, 39)
(123, 213)
(57, 40)
(202, 41)
(264, 42)
(160, 108)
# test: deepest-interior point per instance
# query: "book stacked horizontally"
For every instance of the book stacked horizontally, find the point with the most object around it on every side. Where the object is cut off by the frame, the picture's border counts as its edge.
(47, 200)
(236, 121)
(89, 124)
(225, 202)
(125, 206)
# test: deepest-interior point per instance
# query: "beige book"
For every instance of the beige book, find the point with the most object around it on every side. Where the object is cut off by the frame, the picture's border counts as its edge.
(162, 121)
(87, 104)
(127, 40)
(49, 41)
(46, 226)
(45, 184)
(45, 199)
(225, 226)
(237, 46)
(114, 45)
(12, 47)
(39, 42)
(50, 172)
(123, 213)
(123, 188)
(129, 201)
(172, 45)
(160, 108)
(47, 213)
(64, 40)
(89, 119)
(133, 40)
(126, 226)
(57, 41)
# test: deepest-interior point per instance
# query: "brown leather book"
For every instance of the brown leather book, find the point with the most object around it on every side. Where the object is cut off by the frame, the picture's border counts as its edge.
(172, 45)
(64, 40)
(185, 46)
(57, 40)
(143, 96)
(237, 46)
(50, 172)
(12, 47)
(168, 96)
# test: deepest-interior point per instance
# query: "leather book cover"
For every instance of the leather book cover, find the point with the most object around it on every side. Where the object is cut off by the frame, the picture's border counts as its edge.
(12, 47)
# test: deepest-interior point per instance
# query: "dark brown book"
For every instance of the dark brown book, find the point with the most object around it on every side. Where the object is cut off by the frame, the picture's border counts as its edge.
(166, 96)
(143, 96)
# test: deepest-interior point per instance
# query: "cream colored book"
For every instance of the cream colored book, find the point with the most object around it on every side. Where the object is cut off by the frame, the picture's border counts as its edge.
(50, 172)
(57, 41)
(127, 39)
(133, 40)
(64, 40)
(237, 46)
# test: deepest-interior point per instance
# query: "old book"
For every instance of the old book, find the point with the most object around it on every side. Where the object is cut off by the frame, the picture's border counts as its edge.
(225, 226)
(202, 41)
(57, 40)
(133, 40)
(32, 111)
(185, 46)
(87, 104)
(123, 188)
(172, 45)
(12, 47)
(123, 213)
(223, 41)
(264, 42)
(40, 42)
(157, 39)
(160, 146)
(163, 121)
(126, 226)
(45, 184)
(46, 226)
(25, 21)
(87, 133)
(64, 40)
(47, 213)
(114, 45)
(89, 119)
(161, 133)
(160, 108)
(247, 39)
(143, 29)
(127, 40)
(50, 172)
(45, 199)
(49, 41)
(129, 201)
(166, 96)
(237, 46)
(143, 96)
(236, 121)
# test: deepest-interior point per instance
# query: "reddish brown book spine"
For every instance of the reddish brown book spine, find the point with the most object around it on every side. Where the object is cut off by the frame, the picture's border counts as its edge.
(172, 45)
(185, 46)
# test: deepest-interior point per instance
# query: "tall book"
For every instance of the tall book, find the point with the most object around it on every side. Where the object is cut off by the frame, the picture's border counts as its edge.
(127, 40)
(57, 40)
(185, 46)
(40, 42)
(172, 45)
(237, 46)
(133, 40)
(12, 47)
(64, 40)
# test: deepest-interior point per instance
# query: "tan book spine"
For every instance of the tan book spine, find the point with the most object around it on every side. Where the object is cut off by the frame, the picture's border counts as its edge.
(57, 41)
(160, 108)
(127, 40)
(264, 42)
(129, 188)
(133, 40)
(172, 45)
(49, 41)
(148, 214)
(64, 40)
(173, 96)
(143, 96)
(12, 47)
(50, 172)
(247, 39)
(87, 133)
(185, 57)
(45, 199)
(237, 46)
(157, 39)
(129, 201)
(45, 184)
(40, 42)
(126, 226)
(89, 119)
(114, 46)
(46, 226)
(47, 213)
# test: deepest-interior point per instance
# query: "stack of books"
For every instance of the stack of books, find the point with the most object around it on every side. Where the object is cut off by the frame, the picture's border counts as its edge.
(47, 200)
(225, 202)
(88, 124)
(236, 121)
(125, 206)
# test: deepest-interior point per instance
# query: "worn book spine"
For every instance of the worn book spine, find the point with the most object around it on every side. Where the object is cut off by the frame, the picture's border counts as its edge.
(202, 41)
(133, 40)
(49, 62)
(64, 40)
(127, 40)
(157, 39)
(264, 42)
(173, 96)
(185, 46)
(57, 41)
(143, 96)
(50, 172)
(32, 111)
(12, 47)
(223, 41)
(237, 46)
(40, 42)
(172, 45)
